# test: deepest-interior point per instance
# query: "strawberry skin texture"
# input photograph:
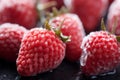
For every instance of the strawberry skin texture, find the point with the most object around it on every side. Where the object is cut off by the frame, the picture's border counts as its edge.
(113, 18)
(100, 53)
(10, 40)
(90, 12)
(72, 26)
(20, 12)
(41, 50)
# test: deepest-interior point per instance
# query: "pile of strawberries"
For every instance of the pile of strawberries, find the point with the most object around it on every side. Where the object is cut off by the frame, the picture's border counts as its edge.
(63, 36)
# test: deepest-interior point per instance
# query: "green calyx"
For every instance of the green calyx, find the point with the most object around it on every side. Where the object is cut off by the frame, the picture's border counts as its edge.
(103, 27)
(118, 38)
(58, 31)
(42, 8)
(56, 12)
(46, 5)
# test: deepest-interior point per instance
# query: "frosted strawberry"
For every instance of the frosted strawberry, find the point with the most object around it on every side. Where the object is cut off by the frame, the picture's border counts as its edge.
(17, 11)
(100, 53)
(10, 40)
(90, 12)
(113, 18)
(71, 26)
(41, 50)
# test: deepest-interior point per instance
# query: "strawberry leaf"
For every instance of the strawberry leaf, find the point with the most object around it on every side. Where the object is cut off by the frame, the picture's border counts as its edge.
(103, 27)
(118, 38)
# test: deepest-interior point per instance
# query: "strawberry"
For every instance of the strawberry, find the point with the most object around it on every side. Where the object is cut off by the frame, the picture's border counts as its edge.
(100, 53)
(17, 11)
(59, 3)
(113, 18)
(41, 50)
(110, 1)
(89, 11)
(10, 40)
(71, 26)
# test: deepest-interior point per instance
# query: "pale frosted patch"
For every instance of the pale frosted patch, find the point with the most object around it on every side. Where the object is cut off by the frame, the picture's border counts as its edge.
(13, 27)
(68, 3)
(85, 39)
(94, 50)
(4, 3)
(76, 18)
(84, 47)
(114, 9)
(83, 58)
(2, 35)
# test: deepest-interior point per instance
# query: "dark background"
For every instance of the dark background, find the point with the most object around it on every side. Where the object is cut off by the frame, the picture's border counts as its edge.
(66, 71)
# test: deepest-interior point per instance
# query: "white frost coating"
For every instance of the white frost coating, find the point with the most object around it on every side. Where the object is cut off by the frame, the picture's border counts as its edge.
(68, 3)
(4, 3)
(74, 18)
(83, 58)
(86, 39)
(13, 27)
(10, 3)
(85, 54)
(114, 9)
(114, 15)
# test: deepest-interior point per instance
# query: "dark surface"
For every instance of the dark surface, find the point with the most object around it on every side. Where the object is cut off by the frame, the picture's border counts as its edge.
(66, 71)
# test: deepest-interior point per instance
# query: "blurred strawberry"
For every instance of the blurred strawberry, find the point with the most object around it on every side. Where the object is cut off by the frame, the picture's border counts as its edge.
(113, 18)
(71, 26)
(100, 53)
(59, 3)
(90, 12)
(10, 40)
(41, 50)
(17, 11)
(110, 1)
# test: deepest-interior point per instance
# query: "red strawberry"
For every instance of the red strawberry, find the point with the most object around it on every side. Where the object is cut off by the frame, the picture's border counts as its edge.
(89, 11)
(100, 53)
(113, 19)
(110, 1)
(17, 11)
(10, 40)
(41, 50)
(72, 26)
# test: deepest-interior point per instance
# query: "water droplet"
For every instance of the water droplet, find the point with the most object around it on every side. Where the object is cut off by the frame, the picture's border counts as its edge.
(109, 73)
(93, 77)
(4, 75)
(17, 78)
